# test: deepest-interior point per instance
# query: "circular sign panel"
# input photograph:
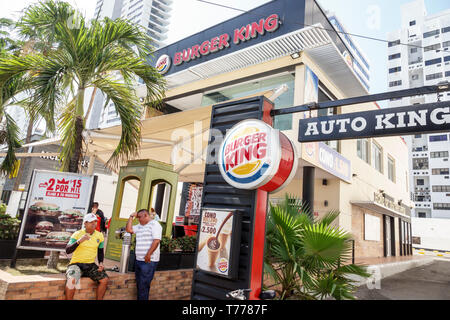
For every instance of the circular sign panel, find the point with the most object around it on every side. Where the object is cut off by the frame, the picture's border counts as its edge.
(163, 64)
(249, 155)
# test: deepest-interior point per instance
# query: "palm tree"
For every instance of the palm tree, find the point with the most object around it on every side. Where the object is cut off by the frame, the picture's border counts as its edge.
(67, 57)
(308, 259)
(107, 55)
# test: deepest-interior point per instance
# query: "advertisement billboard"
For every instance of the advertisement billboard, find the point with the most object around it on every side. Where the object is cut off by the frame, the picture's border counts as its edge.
(56, 205)
(218, 243)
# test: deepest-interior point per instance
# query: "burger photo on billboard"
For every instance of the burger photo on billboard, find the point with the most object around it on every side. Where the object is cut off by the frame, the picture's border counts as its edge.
(71, 218)
(57, 239)
(42, 208)
(43, 228)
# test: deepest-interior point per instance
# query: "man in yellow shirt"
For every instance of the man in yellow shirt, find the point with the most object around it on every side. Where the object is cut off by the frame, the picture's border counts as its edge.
(86, 245)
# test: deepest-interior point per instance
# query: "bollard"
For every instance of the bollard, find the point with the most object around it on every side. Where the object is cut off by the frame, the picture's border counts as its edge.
(124, 257)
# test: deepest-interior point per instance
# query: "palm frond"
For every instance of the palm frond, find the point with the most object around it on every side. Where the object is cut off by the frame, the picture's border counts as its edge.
(9, 135)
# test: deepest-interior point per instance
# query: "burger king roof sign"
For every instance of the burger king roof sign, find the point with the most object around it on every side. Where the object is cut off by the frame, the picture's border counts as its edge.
(254, 155)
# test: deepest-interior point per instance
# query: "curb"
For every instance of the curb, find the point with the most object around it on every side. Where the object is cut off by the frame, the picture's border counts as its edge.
(381, 271)
(433, 252)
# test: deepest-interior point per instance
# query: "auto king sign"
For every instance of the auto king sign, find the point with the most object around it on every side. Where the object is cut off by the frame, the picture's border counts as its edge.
(426, 118)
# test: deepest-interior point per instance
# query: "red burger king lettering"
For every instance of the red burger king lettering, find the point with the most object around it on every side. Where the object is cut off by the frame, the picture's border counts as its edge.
(249, 148)
(216, 44)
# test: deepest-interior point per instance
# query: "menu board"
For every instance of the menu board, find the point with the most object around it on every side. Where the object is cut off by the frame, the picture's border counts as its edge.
(219, 241)
(56, 205)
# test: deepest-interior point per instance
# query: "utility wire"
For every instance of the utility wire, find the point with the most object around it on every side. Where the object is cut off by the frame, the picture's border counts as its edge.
(322, 28)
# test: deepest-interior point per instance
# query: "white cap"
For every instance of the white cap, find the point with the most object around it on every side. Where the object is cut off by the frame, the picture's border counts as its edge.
(89, 218)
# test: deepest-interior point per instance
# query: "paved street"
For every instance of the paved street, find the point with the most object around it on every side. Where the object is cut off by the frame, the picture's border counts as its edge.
(430, 282)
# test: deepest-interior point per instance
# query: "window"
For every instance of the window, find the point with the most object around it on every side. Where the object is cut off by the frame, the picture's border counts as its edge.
(377, 157)
(393, 43)
(433, 61)
(413, 50)
(418, 136)
(283, 122)
(446, 29)
(446, 58)
(447, 74)
(412, 23)
(438, 138)
(362, 148)
(441, 188)
(391, 169)
(441, 206)
(395, 83)
(431, 33)
(396, 69)
(398, 55)
(420, 182)
(440, 172)
(415, 77)
(433, 47)
(434, 76)
(446, 44)
(441, 154)
(422, 215)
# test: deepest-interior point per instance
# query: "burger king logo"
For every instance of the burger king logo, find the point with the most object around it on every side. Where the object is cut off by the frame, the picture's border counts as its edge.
(163, 64)
(248, 154)
(253, 155)
(222, 265)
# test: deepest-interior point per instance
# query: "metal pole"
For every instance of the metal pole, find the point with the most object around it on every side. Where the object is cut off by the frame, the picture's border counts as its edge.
(364, 99)
(308, 189)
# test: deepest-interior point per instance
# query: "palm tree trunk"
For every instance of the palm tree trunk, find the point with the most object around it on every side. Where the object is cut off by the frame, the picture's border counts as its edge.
(74, 164)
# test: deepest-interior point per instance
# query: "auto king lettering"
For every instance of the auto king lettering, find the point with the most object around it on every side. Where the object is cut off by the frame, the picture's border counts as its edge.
(433, 117)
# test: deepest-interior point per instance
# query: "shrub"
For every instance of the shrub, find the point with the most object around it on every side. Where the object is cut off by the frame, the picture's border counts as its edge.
(9, 227)
(188, 243)
(168, 244)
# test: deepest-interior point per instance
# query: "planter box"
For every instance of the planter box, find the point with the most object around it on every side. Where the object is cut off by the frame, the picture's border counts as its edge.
(175, 260)
(7, 248)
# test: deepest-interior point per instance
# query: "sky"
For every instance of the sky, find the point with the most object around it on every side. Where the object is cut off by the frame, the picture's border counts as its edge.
(372, 18)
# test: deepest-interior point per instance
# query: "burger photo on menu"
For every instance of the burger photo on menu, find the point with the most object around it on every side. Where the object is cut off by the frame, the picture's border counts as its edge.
(42, 208)
(71, 218)
(43, 228)
(57, 239)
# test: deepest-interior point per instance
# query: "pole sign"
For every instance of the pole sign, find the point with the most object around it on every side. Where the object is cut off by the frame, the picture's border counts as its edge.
(426, 118)
(55, 209)
(254, 155)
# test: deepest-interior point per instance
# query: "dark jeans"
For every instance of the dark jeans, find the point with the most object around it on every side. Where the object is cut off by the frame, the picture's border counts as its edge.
(144, 276)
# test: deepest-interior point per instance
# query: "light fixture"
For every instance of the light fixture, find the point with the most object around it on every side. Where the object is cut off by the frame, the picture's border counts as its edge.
(295, 55)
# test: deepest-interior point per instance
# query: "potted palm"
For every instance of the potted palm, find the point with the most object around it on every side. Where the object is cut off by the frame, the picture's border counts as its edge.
(306, 258)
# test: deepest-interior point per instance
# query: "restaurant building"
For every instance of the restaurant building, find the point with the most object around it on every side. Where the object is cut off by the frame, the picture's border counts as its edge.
(289, 52)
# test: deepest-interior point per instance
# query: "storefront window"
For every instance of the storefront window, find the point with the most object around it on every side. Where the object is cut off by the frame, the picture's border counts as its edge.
(285, 100)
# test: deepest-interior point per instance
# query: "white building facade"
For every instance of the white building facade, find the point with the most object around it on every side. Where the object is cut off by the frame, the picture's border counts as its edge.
(154, 17)
(419, 55)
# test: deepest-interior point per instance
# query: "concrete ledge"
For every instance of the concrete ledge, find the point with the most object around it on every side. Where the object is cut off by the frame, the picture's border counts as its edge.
(166, 285)
(381, 271)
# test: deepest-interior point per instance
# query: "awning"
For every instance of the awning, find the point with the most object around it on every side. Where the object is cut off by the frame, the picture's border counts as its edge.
(375, 207)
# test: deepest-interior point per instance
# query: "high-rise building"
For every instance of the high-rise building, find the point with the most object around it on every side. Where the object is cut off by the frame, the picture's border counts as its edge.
(153, 16)
(108, 8)
(419, 55)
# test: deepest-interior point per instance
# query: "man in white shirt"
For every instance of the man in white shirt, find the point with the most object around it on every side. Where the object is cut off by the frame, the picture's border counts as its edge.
(148, 236)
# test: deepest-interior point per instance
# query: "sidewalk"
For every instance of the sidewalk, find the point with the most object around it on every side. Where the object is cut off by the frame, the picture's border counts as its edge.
(381, 268)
